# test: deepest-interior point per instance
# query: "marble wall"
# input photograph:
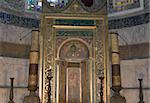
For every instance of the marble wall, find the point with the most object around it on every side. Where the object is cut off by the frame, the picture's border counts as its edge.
(13, 67)
(134, 68)
(131, 71)
(15, 34)
(133, 35)
(17, 68)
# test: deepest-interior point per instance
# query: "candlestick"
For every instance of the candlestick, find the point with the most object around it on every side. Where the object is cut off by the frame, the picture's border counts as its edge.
(116, 78)
(11, 96)
(33, 69)
(141, 91)
(116, 75)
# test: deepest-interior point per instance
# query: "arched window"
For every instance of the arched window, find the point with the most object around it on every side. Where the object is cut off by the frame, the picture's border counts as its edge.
(57, 3)
(33, 5)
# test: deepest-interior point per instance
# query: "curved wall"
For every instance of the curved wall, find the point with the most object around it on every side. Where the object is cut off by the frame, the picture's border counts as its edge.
(16, 22)
(19, 16)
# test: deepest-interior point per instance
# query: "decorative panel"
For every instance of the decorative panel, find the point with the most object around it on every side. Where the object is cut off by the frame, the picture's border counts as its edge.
(74, 33)
(113, 24)
(99, 56)
(48, 60)
(73, 22)
(118, 7)
(74, 44)
(18, 21)
(74, 49)
(73, 36)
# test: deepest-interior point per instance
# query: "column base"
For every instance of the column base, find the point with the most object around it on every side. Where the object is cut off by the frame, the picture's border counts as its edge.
(32, 98)
(11, 102)
(117, 98)
(141, 102)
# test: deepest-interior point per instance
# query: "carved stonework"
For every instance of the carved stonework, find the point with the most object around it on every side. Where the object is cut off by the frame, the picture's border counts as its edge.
(49, 59)
(99, 59)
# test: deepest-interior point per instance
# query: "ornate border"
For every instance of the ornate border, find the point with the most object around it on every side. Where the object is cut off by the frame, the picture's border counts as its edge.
(99, 57)
(113, 24)
(49, 59)
(50, 54)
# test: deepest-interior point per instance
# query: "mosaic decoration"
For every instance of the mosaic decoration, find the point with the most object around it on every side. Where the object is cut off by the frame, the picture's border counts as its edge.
(18, 21)
(122, 6)
(87, 33)
(34, 5)
(75, 22)
(14, 4)
(113, 24)
(130, 21)
(74, 49)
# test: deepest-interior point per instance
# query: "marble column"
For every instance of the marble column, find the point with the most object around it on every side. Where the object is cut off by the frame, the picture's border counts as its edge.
(33, 69)
(116, 75)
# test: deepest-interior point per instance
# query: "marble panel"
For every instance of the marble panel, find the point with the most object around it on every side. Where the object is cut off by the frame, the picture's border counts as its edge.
(132, 95)
(133, 35)
(13, 34)
(19, 94)
(13, 67)
(131, 70)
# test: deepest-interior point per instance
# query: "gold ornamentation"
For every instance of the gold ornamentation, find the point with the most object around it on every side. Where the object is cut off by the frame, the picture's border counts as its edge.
(49, 58)
(99, 55)
(51, 45)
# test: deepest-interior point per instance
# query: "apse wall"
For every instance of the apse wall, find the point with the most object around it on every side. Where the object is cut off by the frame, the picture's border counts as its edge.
(134, 38)
(135, 55)
(15, 38)
(13, 61)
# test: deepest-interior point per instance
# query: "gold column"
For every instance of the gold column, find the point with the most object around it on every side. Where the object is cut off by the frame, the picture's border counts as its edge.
(116, 75)
(33, 69)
